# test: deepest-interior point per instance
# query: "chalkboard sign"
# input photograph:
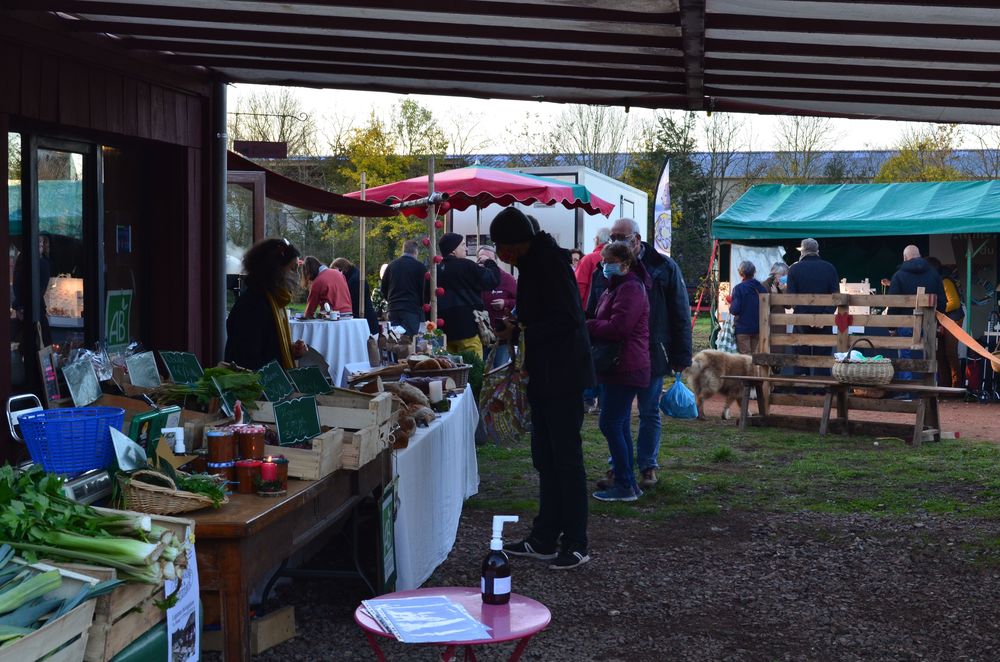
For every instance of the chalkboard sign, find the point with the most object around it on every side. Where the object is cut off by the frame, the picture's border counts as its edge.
(82, 382)
(309, 381)
(142, 370)
(182, 366)
(297, 419)
(275, 382)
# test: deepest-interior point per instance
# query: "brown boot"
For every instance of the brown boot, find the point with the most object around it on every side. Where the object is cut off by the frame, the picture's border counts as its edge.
(607, 482)
(648, 478)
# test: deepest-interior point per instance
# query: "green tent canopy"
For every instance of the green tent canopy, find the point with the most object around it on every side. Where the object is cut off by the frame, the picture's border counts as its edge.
(780, 211)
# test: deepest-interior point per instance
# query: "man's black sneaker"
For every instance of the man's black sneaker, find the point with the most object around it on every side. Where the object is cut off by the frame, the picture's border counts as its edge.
(530, 549)
(568, 560)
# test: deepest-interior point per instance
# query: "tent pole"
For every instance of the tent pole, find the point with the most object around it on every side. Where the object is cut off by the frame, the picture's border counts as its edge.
(361, 252)
(478, 231)
(431, 217)
(968, 283)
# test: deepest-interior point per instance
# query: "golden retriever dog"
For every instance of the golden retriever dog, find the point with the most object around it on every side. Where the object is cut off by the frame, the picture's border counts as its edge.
(705, 377)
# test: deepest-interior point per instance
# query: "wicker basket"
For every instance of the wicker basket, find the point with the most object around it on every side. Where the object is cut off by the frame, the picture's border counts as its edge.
(460, 374)
(158, 500)
(869, 372)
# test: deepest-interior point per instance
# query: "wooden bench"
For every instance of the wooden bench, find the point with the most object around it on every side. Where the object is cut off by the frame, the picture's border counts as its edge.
(781, 350)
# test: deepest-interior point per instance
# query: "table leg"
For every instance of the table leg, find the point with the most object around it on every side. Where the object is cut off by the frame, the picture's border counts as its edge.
(842, 409)
(824, 422)
(744, 406)
(519, 650)
(235, 624)
(373, 643)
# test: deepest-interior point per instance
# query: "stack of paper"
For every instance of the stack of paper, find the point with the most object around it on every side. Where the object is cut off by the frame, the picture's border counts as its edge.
(426, 619)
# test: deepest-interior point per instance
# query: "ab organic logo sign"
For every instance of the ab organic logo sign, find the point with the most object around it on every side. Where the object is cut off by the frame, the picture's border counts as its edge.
(117, 315)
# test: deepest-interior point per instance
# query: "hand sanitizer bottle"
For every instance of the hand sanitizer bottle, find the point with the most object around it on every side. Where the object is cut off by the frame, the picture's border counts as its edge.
(495, 581)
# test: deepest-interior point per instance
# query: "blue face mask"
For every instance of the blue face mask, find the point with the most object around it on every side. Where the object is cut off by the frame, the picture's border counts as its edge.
(612, 270)
(783, 280)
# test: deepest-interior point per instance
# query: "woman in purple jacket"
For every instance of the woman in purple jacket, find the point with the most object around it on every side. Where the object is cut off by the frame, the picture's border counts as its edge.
(622, 318)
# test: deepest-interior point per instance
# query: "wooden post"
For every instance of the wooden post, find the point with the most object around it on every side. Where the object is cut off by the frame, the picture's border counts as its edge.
(363, 228)
(431, 217)
(764, 347)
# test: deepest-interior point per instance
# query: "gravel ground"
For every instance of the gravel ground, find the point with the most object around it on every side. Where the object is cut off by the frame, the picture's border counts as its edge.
(746, 586)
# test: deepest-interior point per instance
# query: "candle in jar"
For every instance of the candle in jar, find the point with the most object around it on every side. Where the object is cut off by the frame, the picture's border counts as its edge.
(435, 391)
(268, 471)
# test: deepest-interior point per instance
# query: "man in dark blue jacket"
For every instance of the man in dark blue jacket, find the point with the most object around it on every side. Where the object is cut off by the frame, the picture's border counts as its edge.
(913, 273)
(557, 360)
(403, 289)
(813, 275)
(669, 339)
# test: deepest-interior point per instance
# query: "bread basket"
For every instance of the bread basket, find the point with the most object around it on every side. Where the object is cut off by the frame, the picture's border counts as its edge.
(158, 500)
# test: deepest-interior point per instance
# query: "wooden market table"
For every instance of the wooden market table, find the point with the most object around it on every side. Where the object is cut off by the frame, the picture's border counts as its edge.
(245, 539)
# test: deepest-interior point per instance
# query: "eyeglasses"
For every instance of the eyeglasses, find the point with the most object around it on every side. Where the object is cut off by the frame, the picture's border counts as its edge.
(621, 237)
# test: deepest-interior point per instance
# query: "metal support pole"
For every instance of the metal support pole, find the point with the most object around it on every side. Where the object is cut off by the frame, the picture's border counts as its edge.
(218, 237)
(362, 281)
(431, 217)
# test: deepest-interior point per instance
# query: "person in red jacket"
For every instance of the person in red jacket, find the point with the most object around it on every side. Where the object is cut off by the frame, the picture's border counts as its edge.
(326, 285)
(585, 269)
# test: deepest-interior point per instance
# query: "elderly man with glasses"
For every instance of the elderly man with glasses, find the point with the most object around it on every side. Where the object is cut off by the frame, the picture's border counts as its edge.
(669, 339)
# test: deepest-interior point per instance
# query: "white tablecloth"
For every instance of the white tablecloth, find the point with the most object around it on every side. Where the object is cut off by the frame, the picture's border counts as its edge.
(437, 471)
(340, 342)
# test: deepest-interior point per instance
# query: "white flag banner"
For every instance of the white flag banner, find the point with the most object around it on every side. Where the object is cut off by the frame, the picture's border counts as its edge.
(662, 219)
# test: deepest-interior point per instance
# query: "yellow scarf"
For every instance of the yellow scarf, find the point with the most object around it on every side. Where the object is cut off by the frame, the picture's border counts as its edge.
(278, 301)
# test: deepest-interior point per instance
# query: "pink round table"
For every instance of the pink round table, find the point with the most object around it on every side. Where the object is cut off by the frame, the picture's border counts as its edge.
(519, 620)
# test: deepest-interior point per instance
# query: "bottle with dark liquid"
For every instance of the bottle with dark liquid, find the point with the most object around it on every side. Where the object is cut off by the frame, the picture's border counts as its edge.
(494, 583)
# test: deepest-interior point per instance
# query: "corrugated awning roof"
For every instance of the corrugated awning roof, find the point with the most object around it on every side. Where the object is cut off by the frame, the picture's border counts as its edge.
(915, 60)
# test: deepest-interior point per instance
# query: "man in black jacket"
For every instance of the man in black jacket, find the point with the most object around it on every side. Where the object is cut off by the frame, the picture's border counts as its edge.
(403, 289)
(557, 360)
(915, 272)
(462, 282)
(669, 339)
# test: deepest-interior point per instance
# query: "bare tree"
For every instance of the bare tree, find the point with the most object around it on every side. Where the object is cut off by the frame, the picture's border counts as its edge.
(598, 135)
(275, 114)
(14, 156)
(464, 136)
(530, 143)
(729, 167)
(987, 157)
(416, 130)
(801, 141)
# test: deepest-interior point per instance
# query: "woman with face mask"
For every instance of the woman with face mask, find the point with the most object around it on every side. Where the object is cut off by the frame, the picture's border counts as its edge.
(257, 326)
(622, 319)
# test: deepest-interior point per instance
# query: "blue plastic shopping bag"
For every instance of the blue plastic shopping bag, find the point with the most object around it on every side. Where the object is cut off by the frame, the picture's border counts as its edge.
(678, 400)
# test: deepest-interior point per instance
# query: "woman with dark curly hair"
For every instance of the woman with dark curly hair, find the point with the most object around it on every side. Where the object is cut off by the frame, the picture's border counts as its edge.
(257, 326)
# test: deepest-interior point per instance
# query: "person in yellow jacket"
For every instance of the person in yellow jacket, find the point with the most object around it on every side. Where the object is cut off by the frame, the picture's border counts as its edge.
(950, 367)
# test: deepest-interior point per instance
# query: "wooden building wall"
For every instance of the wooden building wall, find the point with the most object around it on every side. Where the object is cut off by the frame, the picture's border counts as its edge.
(72, 86)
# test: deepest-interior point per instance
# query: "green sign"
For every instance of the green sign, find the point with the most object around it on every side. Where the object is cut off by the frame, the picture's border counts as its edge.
(387, 518)
(142, 370)
(297, 419)
(183, 367)
(275, 382)
(82, 382)
(309, 380)
(118, 312)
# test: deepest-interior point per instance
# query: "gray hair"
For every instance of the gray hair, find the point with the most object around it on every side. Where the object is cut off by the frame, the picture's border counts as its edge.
(747, 269)
(635, 229)
(410, 247)
(779, 269)
(603, 236)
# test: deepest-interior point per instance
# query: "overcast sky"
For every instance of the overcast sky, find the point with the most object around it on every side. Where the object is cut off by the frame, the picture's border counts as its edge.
(496, 116)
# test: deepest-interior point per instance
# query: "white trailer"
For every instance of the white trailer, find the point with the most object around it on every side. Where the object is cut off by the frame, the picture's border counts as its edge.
(571, 228)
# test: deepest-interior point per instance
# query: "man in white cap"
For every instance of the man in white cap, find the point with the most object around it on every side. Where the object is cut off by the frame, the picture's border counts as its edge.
(813, 275)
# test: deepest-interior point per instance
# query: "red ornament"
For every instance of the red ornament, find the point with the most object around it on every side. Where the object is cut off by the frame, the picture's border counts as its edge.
(439, 224)
(439, 291)
(427, 275)
(437, 259)
(440, 323)
(426, 241)
(427, 307)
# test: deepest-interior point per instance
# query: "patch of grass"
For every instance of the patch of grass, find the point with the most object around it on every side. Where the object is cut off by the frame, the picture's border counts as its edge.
(708, 467)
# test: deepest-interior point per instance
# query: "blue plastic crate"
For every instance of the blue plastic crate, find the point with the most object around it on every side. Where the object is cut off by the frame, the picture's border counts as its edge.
(72, 440)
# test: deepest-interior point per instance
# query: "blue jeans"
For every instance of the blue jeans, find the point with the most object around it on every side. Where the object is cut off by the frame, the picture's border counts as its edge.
(615, 422)
(502, 356)
(906, 332)
(648, 442)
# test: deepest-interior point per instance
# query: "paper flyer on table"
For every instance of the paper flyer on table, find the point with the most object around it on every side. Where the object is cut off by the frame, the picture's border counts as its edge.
(182, 619)
(425, 620)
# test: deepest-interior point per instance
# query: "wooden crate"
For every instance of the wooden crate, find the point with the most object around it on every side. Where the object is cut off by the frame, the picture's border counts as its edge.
(68, 633)
(266, 632)
(362, 446)
(350, 410)
(323, 458)
(129, 611)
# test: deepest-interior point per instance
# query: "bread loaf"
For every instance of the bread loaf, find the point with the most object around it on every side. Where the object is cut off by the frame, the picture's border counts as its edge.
(428, 364)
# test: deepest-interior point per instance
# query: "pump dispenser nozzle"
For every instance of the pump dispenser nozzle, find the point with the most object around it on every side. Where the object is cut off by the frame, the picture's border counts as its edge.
(498, 522)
